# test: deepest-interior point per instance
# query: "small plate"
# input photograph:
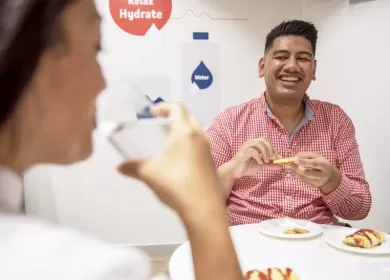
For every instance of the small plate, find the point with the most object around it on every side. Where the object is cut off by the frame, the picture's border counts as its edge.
(335, 239)
(276, 228)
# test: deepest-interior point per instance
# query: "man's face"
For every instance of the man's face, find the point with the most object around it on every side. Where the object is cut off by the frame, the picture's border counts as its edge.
(288, 67)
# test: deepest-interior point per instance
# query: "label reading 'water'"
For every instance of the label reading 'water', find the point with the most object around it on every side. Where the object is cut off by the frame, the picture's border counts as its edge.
(202, 76)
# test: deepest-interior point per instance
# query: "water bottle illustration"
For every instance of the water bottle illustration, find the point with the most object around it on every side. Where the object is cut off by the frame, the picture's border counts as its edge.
(201, 77)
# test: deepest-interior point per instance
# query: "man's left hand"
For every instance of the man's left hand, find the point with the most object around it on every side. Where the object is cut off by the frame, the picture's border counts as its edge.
(316, 171)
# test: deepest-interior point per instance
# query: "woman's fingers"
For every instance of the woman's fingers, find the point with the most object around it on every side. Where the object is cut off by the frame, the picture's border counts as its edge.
(176, 112)
(131, 169)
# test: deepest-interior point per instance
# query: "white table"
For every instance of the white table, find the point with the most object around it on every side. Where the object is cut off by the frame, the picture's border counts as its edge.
(312, 259)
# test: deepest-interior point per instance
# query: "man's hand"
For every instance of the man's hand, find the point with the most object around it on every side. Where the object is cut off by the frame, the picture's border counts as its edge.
(253, 156)
(316, 171)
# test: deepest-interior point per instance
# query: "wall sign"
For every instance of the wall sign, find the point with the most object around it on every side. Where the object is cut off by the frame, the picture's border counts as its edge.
(201, 77)
(136, 17)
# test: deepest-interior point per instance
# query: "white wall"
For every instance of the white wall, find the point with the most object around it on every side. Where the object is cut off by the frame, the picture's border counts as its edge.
(353, 61)
(353, 72)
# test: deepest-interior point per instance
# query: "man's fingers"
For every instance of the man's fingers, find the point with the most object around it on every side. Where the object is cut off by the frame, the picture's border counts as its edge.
(271, 150)
(316, 163)
(254, 153)
(304, 172)
(263, 150)
(310, 173)
(295, 169)
(292, 166)
(266, 149)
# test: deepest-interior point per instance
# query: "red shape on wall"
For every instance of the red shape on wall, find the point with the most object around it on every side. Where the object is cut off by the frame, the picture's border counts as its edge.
(137, 16)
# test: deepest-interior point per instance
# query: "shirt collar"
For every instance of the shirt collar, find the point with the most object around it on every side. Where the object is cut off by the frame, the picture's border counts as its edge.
(309, 111)
(11, 191)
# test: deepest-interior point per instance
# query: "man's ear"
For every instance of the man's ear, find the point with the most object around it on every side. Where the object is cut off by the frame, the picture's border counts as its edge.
(261, 67)
(315, 70)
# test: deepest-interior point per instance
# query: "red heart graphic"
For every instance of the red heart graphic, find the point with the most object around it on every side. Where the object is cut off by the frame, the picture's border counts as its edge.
(137, 16)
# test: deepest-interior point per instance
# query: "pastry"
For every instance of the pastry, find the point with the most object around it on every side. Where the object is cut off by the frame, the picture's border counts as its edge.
(284, 160)
(296, 231)
(272, 274)
(365, 238)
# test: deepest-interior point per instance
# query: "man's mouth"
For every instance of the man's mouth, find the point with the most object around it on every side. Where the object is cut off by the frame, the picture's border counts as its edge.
(291, 79)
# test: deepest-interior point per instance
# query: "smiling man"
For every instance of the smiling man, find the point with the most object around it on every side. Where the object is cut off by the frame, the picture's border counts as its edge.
(327, 178)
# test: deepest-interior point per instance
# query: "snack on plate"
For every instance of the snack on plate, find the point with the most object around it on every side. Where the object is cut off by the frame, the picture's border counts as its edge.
(296, 231)
(284, 160)
(272, 274)
(365, 238)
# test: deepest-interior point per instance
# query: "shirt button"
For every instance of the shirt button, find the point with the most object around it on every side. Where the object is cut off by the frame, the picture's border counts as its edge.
(288, 197)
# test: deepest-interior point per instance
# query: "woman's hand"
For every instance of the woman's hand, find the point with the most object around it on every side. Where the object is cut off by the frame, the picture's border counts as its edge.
(183, 175)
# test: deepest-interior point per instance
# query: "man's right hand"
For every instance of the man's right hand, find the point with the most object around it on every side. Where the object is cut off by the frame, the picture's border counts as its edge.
(253, 156)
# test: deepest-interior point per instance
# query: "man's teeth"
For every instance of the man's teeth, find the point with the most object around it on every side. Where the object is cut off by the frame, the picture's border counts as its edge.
(290, 79)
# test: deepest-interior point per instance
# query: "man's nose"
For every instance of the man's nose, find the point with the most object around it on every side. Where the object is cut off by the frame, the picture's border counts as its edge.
(292, 65)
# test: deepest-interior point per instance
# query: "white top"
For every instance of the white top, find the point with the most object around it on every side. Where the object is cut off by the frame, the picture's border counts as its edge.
(32, 249)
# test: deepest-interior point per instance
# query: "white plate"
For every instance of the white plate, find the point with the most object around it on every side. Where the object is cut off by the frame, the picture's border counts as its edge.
(276, 228)
(335, 239)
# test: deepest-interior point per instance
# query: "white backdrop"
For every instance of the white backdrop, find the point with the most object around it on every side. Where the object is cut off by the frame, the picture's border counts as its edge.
(353, 66)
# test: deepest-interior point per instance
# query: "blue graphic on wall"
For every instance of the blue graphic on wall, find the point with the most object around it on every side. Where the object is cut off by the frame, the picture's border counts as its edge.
(202, 76)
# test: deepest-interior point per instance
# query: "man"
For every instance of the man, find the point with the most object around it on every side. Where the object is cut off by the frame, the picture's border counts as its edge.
(326, 179)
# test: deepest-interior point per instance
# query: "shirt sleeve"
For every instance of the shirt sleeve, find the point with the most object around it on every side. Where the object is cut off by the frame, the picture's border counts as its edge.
(352, 198)
(218, 135)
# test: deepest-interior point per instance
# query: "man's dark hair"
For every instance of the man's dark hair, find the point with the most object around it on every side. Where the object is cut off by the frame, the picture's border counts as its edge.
(293, 28)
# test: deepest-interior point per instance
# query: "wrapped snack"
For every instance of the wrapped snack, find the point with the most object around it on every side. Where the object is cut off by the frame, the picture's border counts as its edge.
(272, 274)
(365, 238)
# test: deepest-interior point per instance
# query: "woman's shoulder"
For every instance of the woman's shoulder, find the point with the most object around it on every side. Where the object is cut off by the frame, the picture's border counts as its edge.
(29, 247)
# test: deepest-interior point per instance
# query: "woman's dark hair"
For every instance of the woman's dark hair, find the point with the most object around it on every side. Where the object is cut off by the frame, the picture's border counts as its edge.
(27, 29)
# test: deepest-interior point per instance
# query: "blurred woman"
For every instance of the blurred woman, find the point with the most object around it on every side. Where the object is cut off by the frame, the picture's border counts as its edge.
(49, 80)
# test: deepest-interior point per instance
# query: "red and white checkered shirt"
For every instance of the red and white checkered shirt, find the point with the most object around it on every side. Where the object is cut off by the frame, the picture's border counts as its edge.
(327, 130)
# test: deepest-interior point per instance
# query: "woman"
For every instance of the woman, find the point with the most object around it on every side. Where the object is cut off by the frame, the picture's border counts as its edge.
(49, 79)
